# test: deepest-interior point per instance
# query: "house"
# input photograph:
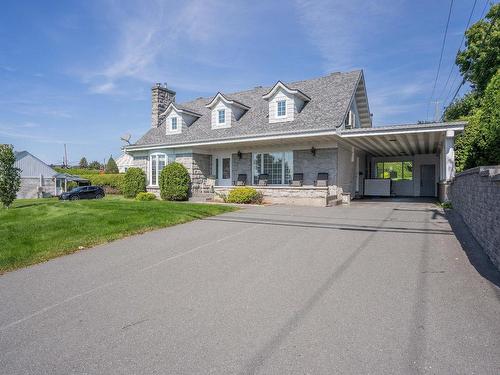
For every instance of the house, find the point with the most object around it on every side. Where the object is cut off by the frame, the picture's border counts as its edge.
(305, 128)
(124, 162)
(38, 179)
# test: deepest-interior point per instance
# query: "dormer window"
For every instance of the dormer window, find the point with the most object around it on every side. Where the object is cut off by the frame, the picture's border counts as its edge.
(284, 103)
(222, 116)
(281, 108)
(173, 123)
(225, 111)
(178, 118)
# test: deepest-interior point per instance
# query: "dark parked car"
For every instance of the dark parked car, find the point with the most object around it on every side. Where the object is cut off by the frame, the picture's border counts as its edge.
(83, 192)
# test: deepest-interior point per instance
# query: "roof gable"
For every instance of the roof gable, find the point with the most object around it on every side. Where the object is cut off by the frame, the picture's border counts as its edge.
(220, 97)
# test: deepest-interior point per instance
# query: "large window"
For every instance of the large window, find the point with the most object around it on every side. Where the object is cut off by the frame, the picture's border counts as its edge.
(281, 108)
(395, 170)
(157, 162)
(278, 165)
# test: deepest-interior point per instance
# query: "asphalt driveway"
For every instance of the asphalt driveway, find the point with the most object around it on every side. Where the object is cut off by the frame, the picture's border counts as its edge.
(374, 288)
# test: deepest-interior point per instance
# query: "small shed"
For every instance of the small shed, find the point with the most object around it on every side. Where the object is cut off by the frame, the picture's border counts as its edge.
(37, 178)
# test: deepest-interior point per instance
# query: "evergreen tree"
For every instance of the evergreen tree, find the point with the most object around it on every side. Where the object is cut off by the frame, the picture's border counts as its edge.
(10, 176)
(83, 163)
(111, 166)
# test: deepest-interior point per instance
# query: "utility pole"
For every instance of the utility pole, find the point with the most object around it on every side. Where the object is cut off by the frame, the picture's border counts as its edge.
(436, 110)
(65, 156)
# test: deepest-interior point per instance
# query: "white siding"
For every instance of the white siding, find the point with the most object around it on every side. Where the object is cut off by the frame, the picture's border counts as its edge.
(215, 116)
(290, 107)
(33, 167)
(180, 122)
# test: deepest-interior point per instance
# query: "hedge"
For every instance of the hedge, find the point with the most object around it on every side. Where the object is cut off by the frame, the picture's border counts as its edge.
(77, 171)
(245, 195)
(174, 183)
(112, 183)
(134, 182)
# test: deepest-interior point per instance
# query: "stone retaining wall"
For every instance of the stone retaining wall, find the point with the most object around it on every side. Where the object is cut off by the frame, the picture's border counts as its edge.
(300, 196)
(475, 194)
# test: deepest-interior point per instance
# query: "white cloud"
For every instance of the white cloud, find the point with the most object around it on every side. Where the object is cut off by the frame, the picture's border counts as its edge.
(153, 40)
(26, 131)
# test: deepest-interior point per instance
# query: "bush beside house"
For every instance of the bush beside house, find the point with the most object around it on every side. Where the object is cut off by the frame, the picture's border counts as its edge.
(174, 183)
(134, 182)
(145, 196)
(244, 195)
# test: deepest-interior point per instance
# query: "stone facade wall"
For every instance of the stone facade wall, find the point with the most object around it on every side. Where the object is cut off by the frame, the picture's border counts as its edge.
(242, 166)
(29, 187)
(475, 194)
(310, 165)
(201, 169)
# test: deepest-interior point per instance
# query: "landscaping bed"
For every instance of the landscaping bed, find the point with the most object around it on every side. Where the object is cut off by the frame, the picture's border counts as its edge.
(36, 230)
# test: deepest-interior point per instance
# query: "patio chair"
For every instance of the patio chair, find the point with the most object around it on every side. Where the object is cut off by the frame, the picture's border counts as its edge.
(263, 178)
(298, 180)
(321, 180)
(241, 180)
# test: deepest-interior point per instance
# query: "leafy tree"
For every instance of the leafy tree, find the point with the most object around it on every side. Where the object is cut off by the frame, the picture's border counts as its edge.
(134, 182)
(10, 176)
(174, 183)
(462, 107)
(95, 165)
(479, 144)
(481, 58)
(111, 166)
(83, 163)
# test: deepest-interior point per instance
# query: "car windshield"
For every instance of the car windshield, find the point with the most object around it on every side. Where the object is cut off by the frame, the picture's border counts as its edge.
(77, 189)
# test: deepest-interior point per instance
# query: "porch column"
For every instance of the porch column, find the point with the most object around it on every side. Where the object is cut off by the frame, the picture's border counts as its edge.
(449, 143)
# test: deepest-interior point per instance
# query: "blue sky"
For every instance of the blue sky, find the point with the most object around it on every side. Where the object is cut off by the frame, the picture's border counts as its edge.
(80, 72)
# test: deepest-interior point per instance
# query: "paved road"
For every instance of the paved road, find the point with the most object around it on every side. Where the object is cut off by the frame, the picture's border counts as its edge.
(374, 288)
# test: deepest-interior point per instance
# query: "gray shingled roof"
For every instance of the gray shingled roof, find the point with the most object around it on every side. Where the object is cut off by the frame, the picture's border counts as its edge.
(330, 98)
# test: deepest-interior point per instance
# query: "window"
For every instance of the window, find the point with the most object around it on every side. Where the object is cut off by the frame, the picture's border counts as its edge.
(278, 165)
(173, 123)
(157, 162)
(222, 116)
(395, 170)
(281, 108)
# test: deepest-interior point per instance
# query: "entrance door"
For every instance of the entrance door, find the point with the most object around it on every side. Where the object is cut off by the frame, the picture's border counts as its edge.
(222, 170)
(427, 180)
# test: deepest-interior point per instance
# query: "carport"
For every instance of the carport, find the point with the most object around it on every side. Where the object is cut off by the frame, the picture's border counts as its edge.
(414, 160)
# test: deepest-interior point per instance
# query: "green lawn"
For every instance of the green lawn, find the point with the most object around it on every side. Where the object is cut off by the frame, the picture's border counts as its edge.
(35, 230)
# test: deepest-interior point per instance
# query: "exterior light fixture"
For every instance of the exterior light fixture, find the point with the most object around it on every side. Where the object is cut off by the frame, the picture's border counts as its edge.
(239, 154)
(313, 151)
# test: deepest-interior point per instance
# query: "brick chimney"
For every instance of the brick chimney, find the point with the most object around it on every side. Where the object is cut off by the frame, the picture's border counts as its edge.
(161, 97)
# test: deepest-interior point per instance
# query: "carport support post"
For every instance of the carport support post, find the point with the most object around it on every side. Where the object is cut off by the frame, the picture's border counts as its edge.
(449, 144)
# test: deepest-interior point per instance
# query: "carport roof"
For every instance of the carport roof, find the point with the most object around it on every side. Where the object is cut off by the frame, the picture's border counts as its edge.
(400, 140)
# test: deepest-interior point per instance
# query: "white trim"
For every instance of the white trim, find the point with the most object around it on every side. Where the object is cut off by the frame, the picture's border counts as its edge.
(220, 96)
(238, 140)
(182, 111)
(280, 85)
(150, 168)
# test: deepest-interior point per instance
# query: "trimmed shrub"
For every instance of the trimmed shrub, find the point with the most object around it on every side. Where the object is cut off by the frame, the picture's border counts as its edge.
(134, 182)
(174, 183)
(145, 196)
(111, 183)
(245, 195)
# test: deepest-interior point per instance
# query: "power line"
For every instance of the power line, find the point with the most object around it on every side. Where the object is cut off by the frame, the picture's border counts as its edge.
(460, 46)
(440, 58)
(470, 65)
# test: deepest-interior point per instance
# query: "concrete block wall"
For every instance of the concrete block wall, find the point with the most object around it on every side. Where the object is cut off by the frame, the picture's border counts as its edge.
(201, 169)
(475, 194)
(29, 187)
(310, 165)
